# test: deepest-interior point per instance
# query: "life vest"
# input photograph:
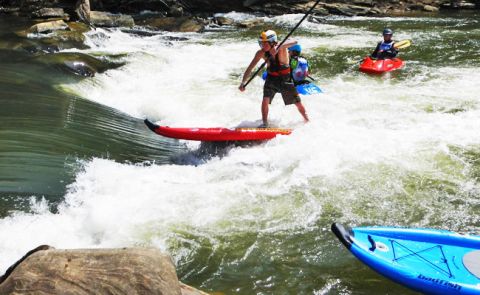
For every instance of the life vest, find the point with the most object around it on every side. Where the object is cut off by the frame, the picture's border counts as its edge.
(386, 46)
(276, 69)
(299, 66)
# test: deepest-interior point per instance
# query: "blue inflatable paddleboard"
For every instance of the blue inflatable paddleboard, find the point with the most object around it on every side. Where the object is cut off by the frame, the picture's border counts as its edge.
(426, 260)
(304, 89)
(307, 89)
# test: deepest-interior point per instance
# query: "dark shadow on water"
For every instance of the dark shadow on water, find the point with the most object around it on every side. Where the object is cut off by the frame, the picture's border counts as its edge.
(211, 149)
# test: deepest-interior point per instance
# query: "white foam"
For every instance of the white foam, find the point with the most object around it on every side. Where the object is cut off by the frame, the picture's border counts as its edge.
(237, 16)
(360, 120)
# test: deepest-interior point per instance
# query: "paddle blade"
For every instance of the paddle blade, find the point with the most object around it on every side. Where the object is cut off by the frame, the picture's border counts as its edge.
(402, 44)
(308, 89)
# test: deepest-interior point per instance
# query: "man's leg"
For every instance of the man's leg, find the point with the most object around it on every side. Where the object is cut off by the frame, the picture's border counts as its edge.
(265, 103)
(302, 111)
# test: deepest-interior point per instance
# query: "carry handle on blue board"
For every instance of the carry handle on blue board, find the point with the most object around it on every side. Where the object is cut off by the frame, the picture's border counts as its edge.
(304, 89)
(283, 41)
(307, 89)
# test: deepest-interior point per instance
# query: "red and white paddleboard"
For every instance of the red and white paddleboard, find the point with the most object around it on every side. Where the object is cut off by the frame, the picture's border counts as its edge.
(218, 134)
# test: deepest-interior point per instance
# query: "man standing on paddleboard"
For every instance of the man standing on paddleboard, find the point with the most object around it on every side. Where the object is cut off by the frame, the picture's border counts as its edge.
(278, 74)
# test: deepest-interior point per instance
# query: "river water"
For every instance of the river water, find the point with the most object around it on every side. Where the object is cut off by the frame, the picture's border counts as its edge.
(79, 169)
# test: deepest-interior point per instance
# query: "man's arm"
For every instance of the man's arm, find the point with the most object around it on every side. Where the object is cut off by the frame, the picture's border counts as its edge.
(258, 56)
(287, 44)
(375, 52)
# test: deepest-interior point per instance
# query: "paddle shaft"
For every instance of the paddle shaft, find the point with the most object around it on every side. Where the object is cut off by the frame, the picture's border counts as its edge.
(285, 39)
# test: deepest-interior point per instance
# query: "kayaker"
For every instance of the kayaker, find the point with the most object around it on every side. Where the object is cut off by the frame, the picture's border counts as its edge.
(385, 49)
(299, 65)
(278, 74)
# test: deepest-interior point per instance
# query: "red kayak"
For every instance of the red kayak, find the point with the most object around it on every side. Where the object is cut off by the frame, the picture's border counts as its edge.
(217, 134)
(380, 66)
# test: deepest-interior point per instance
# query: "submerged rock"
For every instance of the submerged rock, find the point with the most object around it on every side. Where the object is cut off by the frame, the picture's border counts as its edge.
(79, 63)
(41, 48)
(80, 68)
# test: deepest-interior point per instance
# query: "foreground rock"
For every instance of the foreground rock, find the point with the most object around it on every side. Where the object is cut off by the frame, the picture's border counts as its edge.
(46, 270)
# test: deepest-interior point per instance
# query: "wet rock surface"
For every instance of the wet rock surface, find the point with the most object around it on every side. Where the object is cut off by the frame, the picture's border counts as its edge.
(79, 63)
(105, 19)
(53, 34)
(174, 24)
(46, 270)
(176, 8)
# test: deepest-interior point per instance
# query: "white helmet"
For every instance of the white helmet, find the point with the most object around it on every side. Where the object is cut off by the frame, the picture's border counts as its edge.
(268, 36)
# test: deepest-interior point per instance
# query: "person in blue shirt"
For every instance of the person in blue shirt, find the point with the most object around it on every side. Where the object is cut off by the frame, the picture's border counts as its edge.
(385, 49)
(298, 65)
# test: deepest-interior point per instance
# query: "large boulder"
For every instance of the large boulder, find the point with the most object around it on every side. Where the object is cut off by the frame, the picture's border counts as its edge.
(46, 270)
(32, 5)
(174, 24)
(106, 19)
(346, 9)
(302, 7)
(430, 8)
(48, 27)
(60, 36)
(216, 5)
(250, 23)
(172, 7)
(82, 11)
(224, 21)
(132, 6)
(50, 13)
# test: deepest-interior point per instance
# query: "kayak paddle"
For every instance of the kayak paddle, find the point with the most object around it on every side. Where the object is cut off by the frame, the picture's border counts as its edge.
(402, 44)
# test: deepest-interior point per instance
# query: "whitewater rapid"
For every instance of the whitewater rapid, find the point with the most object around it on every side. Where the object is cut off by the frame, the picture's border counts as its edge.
(366, 136)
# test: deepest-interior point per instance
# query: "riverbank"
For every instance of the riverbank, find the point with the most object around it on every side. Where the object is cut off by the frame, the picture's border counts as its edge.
(192, 15)
(79, 169)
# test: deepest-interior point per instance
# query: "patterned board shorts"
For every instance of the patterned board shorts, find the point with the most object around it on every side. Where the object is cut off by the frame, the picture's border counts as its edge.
(283, 85)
